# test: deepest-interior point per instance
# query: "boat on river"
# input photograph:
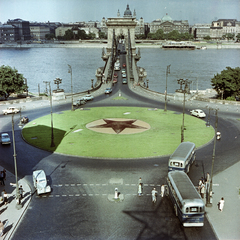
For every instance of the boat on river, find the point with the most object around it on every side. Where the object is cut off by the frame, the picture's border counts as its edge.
(181, 45)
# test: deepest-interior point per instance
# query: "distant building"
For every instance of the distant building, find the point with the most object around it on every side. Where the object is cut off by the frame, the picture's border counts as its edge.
(22, 27)
(38, 31)
(200, 31)
(8, 33)
(167, 24)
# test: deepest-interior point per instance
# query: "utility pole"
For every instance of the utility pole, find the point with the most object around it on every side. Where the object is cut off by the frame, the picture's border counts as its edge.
(186, 89)
(52, 136)
(209, 193)
(70, 71)
(18, 201)
(167, 72)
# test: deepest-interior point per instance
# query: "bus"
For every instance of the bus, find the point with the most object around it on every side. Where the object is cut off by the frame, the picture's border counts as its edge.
(188, 204)
(183, 157)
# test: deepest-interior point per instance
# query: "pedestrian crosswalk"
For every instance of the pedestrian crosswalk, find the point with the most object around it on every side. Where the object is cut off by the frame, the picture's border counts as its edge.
(74, 190)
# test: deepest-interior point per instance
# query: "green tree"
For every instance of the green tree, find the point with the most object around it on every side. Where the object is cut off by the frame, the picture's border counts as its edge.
(102, 35)
(227, 83)
(81, 34)
(238, 37)
(11, 81)
(207, 37)
(49, 36)
(69, 35)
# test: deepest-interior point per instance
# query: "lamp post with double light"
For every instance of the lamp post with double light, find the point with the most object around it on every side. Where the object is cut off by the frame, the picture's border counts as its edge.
(167, 72)
(70, 71)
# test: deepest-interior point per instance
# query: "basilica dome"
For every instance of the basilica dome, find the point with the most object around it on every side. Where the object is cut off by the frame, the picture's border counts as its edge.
(127, 12)
(167, 18)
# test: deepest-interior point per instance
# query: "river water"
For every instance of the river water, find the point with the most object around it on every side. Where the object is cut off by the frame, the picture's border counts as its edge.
(46, 64)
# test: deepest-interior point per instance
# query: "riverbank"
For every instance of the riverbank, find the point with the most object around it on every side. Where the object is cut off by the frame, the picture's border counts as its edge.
(103, 44)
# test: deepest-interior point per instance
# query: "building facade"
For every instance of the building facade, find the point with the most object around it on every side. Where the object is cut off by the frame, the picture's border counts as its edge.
(167, 24)
(39, 31)
(8, 33)
(22, 28)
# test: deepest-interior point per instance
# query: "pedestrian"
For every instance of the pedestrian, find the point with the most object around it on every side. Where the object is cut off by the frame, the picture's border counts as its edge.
(162, 190)
(154, 195)
(221, 204)
(208, 179)
(5, 197)
(139, 190)
(202, 191)
(140, 182)
(2, 178)
(199, 185)
(21, 192)
(1, 228)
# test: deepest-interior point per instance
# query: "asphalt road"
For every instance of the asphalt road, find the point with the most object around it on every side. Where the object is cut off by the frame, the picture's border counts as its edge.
(80, 205)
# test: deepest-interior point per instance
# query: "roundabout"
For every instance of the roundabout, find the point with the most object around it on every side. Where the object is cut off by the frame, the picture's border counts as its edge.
(116, 132)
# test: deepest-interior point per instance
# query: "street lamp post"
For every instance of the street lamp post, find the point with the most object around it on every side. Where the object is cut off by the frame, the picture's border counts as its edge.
(92, 83)
(167, 72)
(70, 71)
(18, 201)
(209, 192)
(186, 83)
(52, 136)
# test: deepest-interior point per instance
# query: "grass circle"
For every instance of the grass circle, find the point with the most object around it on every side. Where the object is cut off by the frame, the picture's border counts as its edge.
(72, 137)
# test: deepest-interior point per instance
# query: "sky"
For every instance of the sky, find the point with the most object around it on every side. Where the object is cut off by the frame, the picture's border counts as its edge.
(65, 11)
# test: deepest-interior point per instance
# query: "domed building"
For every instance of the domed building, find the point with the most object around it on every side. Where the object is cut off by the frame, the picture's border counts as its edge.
(127, 12)
(167, 24)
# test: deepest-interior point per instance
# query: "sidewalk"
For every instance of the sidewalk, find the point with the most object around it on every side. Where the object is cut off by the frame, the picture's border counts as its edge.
(226, 184)
(9, 213)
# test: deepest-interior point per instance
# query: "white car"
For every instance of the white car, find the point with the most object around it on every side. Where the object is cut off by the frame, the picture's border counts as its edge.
(40, 182)
(88, 97)
(5, 139)
(198, 113)
(11, 110)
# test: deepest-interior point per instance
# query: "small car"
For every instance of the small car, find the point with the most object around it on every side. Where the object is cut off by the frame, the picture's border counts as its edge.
(5, 139)
(108, 90)
(115, 80)
(124, 80)
(123, 70)
(124, 65)
(115, 75)
(88, 97)
(11, 110)
(79, 102)
(124, 75)
(40, 182)
(198, 113)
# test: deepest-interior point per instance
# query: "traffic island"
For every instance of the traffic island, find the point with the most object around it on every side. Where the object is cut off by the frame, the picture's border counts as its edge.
(115, 132)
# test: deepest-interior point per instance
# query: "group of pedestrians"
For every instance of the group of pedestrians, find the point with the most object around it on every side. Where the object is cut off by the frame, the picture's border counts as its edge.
(153, 192)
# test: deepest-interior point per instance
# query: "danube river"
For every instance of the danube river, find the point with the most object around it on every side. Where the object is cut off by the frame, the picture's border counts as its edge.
(45, 64)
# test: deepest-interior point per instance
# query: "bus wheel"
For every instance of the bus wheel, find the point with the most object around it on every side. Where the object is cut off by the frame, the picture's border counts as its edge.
(175, 208)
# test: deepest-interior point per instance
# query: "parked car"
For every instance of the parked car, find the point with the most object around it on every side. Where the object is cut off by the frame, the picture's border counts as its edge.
(124, 80)
(198, 113)
(11, 110)
(40, 182)
(124, 75)
(115, 75)
(5, 139)
(123, 70)
(108, 90)
(124, 65)
(114, 80)
(88, 97)
(79, 102)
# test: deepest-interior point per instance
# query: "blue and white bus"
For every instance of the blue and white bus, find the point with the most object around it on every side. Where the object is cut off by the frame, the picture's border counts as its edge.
(183, 157)
(188, 204)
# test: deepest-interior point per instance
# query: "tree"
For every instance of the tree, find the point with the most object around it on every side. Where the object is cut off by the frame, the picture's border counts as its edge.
(207, 37)
(227, 83)
(81, 34)
(10, 81)
(49, 36)
(102, 35)
(238, 37)
(69, 34)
